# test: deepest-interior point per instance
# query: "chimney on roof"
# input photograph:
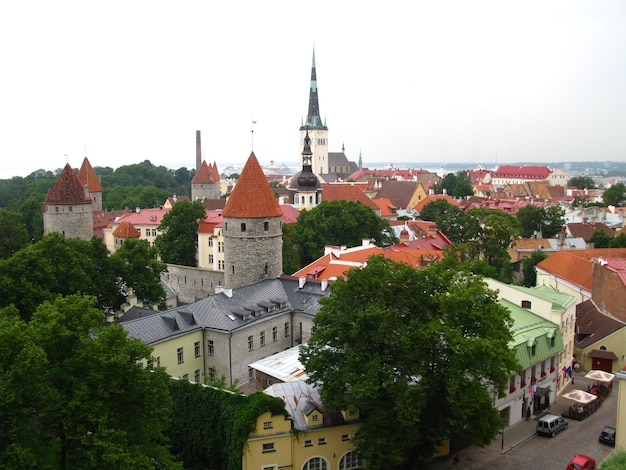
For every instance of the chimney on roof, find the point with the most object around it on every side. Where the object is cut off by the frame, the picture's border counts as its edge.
(324, 284)
(301, 282)
(198, 151)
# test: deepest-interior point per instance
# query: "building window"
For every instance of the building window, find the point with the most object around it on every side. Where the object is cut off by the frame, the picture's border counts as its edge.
(220, 264)
(269, 467)
(268, 425)
(269, 447)
(196, 376)
(243, 227)
(210, 346)
(351, 461)
(321, 441)
(552, 342)
(147, 232)
(211, 374)
(158, 361)
(274, 334)
(266, 269)
(186, 377)
(211, 259)
(308, 443)
(250, 373)
(266, 226)
(315, 463)
(286, 329)
(196, 348)
(315, 417)
(526, 304)
(210, 241)
(345, 437)
(149, 364)
(250, 343)
(262, 338)
(220, 247)
(179, 354)
(154, 234)
(533, 350)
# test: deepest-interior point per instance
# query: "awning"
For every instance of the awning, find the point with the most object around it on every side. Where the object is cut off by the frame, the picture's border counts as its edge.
(540, 392)
(600, 376)
(580, 396)
(599, 354)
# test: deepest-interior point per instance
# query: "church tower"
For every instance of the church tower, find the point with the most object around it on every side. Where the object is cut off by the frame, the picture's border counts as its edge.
(308, 191)
(253, 231)
(314, 127)
(67, 208)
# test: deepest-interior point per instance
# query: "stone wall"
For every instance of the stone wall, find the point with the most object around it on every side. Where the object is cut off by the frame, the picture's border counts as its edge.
(192, 284)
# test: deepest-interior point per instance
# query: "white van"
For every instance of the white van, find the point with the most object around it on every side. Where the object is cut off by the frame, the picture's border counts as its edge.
(549, 425)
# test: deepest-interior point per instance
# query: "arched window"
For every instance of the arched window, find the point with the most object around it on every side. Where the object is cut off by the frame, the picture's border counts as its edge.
(351, 461)
(315, 463)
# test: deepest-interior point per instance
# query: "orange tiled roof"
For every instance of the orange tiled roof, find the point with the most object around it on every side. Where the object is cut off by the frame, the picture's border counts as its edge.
(576, 266)
(387, 208)
(88, 177)
(67, 190)
(204, 175)
(347, 192)
(252, 195)
(126, 230)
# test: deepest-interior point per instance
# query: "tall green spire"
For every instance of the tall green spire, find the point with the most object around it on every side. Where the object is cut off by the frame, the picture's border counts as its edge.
(313, 120)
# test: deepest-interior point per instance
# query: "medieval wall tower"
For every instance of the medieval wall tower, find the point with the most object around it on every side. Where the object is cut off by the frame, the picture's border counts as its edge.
(67, 208)
(252, 229)
(317, 131)
(90, 180)
(206, 183)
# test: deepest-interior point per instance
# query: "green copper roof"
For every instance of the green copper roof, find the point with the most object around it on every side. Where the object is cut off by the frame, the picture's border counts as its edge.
(530, 329)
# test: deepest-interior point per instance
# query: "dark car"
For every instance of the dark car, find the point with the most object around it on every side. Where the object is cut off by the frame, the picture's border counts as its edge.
(581, 462)
(607, 436)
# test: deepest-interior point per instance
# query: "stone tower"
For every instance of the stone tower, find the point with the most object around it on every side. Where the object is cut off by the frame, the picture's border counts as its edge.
(252, 229)
(90, 180)
(206, 182)
(314, 127)
(67, 208)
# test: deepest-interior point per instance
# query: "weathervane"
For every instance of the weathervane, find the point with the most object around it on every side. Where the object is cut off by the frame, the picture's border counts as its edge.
(252, 132)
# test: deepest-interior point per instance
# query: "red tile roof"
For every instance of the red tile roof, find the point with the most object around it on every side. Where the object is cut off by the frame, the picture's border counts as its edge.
(88, 177)
(126, 230)
(347, 192)
(252, 196)
(522, 171)
(204, 175)
(68, 189)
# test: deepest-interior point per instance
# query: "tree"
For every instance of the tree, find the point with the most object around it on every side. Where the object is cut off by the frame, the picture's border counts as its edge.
(13, 233)
(463, 185)
(582, 182)
(338, 222)
(554, 221)
(435, 209)
(178, 240)
(600, 239)
(419, 353)
(30, 208)
(531, 219)
(615, 195)
(528, 267)
(618, 242)
(291, 257)
(86, 402)
(140, 269)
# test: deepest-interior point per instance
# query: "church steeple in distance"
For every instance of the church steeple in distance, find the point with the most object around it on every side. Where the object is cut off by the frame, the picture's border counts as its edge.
(306, 178)
(313, 119)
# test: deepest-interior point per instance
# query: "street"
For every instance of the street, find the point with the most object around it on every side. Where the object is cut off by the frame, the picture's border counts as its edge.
(521, 448)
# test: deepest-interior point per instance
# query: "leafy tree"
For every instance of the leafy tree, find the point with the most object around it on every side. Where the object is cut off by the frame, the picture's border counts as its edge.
(291, 257)
(178, 240)
(338, 222)
(618, 241)
(418, 352)
(463, 188)
(528, 267)
(83, 403)
(582, 182)
(493, 232)
(531, 219)
(600, 239)
(32, 215)
(554, 221)
(616, 461)
(13, 233)
(436, 208)
(615, 195)
(138, 265)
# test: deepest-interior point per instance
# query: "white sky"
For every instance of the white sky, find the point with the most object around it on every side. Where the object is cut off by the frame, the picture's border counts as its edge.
(427, 82)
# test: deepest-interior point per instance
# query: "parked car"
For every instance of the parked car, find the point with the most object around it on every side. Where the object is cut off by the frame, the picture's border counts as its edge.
(550, 424)
(581, 462)
(607, 436)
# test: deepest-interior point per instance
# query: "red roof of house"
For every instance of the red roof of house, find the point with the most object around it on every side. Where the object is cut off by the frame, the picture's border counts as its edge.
(204, 175)
(126, 230)
(347, 192)
(68, 189)
(88, 177)
(252, 196)
(387, 208)
(522, 171)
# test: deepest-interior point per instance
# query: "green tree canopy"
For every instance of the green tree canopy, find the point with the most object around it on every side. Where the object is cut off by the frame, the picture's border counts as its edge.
(528, 267)
(178, 239)
(74, 395)
(338, 222)
(582, 182)
(13, 233)
(419, 352)
(615, 195)
(531, 220)
(618, 242)
(600, 239)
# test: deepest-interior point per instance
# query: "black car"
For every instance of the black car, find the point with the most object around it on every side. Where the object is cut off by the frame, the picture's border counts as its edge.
(607, 436)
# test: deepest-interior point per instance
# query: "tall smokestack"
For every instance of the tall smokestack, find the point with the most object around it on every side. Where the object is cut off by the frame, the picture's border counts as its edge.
(198, 151)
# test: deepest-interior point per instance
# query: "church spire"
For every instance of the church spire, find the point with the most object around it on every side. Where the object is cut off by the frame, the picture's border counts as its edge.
(313, 119)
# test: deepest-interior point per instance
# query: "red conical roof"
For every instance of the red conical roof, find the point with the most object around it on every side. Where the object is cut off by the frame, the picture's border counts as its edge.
(68, 189)
(88, 177)
(252, 195)
(204, 174)
(126, 230)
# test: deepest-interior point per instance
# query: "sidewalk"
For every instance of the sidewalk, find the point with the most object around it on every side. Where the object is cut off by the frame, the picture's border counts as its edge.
(516, 434)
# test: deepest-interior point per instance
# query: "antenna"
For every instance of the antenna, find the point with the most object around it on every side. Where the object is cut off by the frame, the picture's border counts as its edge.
(252, 132)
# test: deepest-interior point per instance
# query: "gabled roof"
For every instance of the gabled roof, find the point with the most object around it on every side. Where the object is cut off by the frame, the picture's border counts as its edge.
(126, 230)
(386, 207)
(143, 217)
(252, 196)
(576, 266)
(88, 177)
(347, 192)
(67, 190)
(586, 229)
(290, 214)
(399, 192)
(522, 171)
(592, 325)
(300, 399)
(284, 366)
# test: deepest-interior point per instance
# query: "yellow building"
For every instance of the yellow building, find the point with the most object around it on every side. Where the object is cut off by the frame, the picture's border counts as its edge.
(311, 438)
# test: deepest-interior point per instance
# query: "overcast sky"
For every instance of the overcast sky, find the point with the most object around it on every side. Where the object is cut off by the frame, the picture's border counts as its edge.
(427, 82)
